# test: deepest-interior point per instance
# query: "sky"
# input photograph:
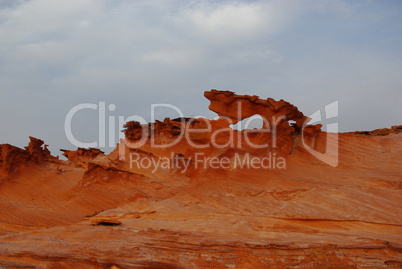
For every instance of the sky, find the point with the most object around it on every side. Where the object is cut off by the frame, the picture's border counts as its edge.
(55, 55)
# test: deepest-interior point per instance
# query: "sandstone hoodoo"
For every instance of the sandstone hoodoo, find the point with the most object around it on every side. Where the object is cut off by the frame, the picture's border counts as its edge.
(196, 193)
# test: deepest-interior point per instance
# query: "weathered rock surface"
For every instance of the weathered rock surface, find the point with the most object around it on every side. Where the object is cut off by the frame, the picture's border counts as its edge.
(151, 204)
(384, 131)
(13, 158)
(239, 107)
(81, 156)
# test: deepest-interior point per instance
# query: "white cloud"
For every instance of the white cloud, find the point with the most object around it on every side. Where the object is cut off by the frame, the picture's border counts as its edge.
(234, 21)
(223, 21)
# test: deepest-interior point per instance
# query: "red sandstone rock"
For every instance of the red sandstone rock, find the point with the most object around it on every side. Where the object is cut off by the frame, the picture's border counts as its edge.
(13, 158)
(81, 156)
(384, 131)
(103, 211)
(239, 107)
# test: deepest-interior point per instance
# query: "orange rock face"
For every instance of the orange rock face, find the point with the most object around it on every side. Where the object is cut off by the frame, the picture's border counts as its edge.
(278, 134)
(193, 193)
(81, 156)
(12, 158)
(239, 107)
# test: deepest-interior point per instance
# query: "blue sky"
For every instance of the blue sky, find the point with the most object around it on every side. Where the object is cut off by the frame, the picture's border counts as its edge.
(58, 54)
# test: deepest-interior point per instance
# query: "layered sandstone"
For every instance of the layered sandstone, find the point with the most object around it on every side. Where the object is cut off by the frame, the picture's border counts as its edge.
(12, 158)
(151, 204)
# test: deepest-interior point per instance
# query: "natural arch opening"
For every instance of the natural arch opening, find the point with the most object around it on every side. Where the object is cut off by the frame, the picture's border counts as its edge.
(250, 123)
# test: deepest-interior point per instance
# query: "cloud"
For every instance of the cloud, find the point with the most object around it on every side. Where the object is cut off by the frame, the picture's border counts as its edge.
(55, 55)
(222, 22)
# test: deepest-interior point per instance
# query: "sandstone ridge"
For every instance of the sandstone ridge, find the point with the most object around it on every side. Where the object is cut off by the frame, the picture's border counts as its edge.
(283, 125)
(151, 204)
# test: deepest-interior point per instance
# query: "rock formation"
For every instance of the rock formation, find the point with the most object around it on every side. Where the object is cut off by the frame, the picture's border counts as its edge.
(384, 131)
(11, 157)
(278, 133)
(81, 156)
(239, 107)
(191, 193)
